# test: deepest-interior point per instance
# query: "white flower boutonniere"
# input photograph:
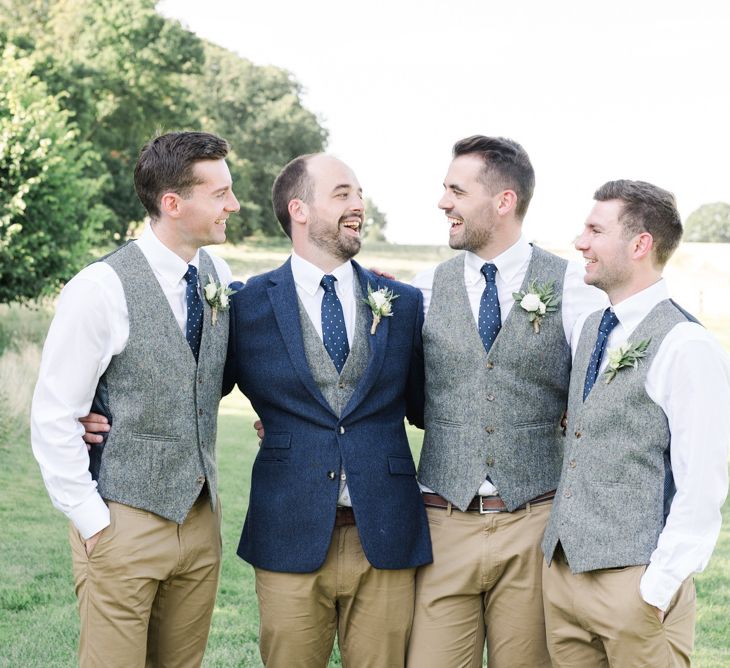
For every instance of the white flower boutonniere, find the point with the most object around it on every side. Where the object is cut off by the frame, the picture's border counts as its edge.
(539, 300)
(380, 303)
(626, 355)
(216, 294)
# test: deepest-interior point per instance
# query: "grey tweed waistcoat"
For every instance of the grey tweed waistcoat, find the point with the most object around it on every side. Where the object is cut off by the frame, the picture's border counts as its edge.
(610, 505)
(495, 414)
(163, 406)
(337, 388)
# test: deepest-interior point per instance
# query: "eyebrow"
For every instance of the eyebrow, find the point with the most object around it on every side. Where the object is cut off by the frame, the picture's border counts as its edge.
(345, 186)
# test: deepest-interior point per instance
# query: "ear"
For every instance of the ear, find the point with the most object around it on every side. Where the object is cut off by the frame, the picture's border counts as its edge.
(298, 211)
(170, 204)
(642, 245)
(506, 202)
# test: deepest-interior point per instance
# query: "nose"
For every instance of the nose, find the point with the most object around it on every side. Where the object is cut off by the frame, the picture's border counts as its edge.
(445, 203)
(356, 203)
(581, 241)
(233, 204)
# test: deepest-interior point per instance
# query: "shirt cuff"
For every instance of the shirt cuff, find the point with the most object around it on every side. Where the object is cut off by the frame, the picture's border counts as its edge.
(658, 588)
(91, 516)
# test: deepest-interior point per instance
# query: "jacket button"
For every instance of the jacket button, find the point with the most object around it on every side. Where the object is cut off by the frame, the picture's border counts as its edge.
(489, 430)
(200, 412)
(342, 430)
(331, 475)
(490, 461)
(200, 479)
(572, 464)
(341, 386)
(577, 434)
(490, 365)
(200, 381)
(568, 494)
(490, 397)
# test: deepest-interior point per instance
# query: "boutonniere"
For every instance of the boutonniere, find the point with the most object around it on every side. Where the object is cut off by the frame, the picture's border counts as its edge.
(539, 299)
(216, 294)
(380, 303)
(624, 356)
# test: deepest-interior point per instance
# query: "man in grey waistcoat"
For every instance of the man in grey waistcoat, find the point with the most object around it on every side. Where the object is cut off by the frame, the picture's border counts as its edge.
(135, 331)
(644, 476)
(497, 352)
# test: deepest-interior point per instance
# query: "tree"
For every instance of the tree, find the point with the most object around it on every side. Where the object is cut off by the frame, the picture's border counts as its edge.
(375, 222)
(120, 67)
(710, 223)
(50, 187)
(259, 111)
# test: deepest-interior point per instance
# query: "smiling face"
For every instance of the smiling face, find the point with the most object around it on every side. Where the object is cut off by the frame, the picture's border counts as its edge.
(606, 248)
(203, 212)
(336, 210)
(470, 208)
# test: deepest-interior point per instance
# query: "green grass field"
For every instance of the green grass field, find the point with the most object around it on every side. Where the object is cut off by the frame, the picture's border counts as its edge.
(38, 619)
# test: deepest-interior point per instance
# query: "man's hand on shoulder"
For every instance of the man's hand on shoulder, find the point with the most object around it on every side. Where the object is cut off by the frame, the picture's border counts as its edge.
(383, 273)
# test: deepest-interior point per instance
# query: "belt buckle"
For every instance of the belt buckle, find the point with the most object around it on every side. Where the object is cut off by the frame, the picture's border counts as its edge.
(486, 511)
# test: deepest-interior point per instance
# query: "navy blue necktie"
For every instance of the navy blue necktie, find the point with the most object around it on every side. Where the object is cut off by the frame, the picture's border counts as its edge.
(608, 322)
(490, 320)
(194, 327)
(334, 334)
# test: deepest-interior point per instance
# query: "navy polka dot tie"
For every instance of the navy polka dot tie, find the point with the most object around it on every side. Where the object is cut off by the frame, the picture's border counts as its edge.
(194, 327)
(334, 334)
(490, 320)
(608, 322)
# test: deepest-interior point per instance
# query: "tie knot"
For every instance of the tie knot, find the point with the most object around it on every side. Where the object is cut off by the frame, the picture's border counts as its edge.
(608, 321)
(328, 283)
(490, 271)
(191, 275)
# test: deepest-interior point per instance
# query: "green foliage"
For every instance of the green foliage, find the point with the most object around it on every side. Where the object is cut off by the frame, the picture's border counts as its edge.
(710, 223)
(49, 187)
(259, 111)
(373, 228)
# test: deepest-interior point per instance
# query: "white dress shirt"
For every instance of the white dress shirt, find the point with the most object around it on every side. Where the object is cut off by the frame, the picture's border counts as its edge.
(577, 298)
(307, 279)
(689, 379)
(90, 326)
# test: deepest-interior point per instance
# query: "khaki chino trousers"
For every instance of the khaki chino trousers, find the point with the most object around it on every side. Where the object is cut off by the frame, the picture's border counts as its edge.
(146, 593)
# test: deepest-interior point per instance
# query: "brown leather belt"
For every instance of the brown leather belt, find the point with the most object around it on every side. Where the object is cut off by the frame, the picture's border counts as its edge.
(484, 504)
(344, 517)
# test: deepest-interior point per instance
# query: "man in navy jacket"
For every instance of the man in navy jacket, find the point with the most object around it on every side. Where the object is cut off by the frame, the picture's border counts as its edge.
(335, 525)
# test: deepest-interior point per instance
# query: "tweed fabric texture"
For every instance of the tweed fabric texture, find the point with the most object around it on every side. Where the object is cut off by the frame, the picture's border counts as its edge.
(609, 509)
(337, 388)
(163, 406)
(493, 414)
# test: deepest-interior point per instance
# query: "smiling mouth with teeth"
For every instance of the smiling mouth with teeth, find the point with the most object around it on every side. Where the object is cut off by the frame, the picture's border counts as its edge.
(454, 221)
(352, 224)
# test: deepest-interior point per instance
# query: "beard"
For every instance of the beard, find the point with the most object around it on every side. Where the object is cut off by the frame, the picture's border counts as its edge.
(331, 241)
(471, 238)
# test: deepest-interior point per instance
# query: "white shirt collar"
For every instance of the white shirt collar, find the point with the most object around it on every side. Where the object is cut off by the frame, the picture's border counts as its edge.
(631, 311)
(508, 263)
(168, 265)
(308, 276)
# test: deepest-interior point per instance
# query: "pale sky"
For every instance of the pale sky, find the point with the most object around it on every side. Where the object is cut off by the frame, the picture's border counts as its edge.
(593, 91)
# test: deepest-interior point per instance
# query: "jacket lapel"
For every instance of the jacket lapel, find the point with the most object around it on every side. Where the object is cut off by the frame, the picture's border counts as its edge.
(283, 296)
(377, 342)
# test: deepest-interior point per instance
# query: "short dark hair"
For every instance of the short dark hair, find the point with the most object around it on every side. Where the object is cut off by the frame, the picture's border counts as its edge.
(646, 208)
(293, 182)
(166, 164)
(506, 165)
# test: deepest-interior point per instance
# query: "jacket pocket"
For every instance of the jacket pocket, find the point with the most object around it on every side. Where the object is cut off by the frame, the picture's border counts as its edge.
(401, 465)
